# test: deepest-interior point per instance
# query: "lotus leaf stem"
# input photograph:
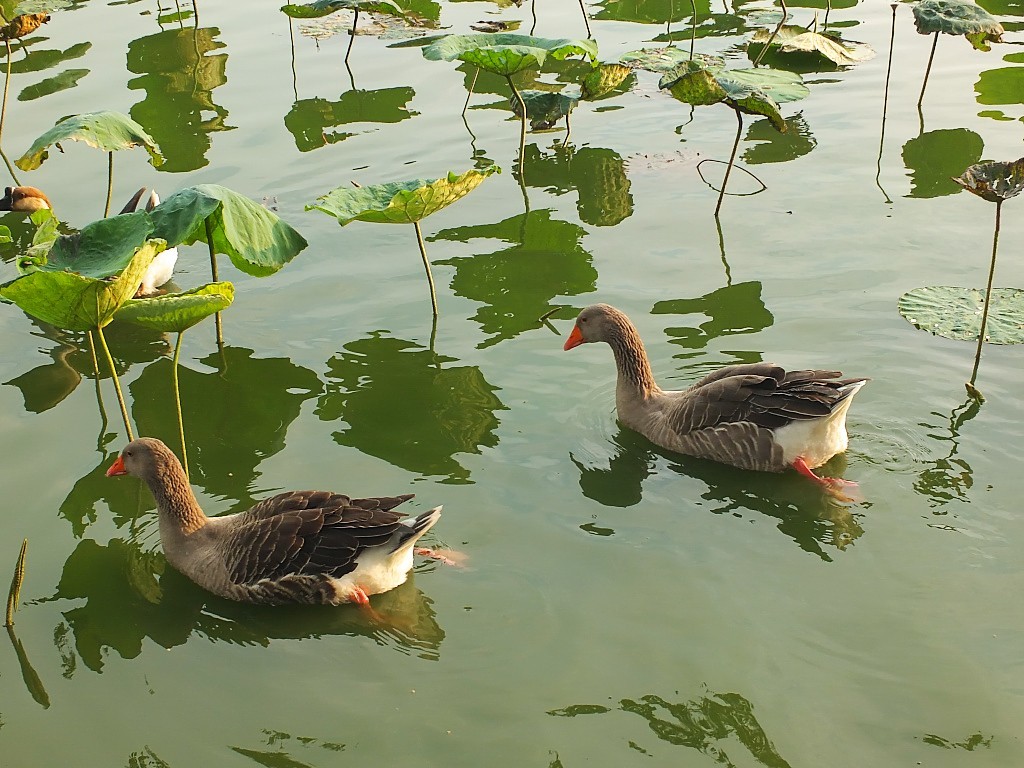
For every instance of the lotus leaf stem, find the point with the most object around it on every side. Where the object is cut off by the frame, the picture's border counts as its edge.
(426, 266)
(213, 272)
(732, 158)
(295, 76)
(7, 84)
(110, 183)
(668, 24)
(885, 106)
(533, 12)
(10, 168)
(117, 383)
(99, 390)
(14, 595)
(928, 69)
(693, 28)
(469, 95)
(568, 130)
(586, 20)
(785, 13)
(522, 122)
(988, 299)
(352, 34)
(177, 401)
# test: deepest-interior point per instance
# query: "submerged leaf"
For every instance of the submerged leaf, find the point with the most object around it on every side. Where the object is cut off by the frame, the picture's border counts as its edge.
(793, 39)
(108, 131)
(77, 303)
(666, 59)
(177, 312)
(257, 241)
(994, 182)
(399, 202)
(955, 313)
(956, 17)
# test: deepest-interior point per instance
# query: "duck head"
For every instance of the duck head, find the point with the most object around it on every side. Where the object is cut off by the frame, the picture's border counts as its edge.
(24, 199)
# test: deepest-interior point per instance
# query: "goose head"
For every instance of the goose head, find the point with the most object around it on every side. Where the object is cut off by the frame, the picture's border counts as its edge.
(598, 322)
(145, 458)
(24, 199)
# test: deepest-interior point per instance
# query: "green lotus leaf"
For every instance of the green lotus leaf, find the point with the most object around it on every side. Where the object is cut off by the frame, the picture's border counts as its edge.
(754, 101)
(544, 108)
(794, 39)
(5, 234)
(994, 182)
(102, 248)
(603, 79)
(41, 6)
(693, 83)
(399, 202)
(666, 59)
(955, 313)
(177, 312)
(956, 17)
(108, 131)
(506, 53)
(77, 303)
(257, 241)
(316, 10)
(780, 85)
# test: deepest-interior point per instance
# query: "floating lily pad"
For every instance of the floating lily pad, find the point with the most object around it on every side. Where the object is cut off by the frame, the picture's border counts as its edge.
(955, 313)
(994, 182)
(665, 59)
(322, 8)
(257, 241)
(77, 303)
(400, 202)
(177, 312)
(794, 39)
(108, 131)
(603, 80)
(544, 108)
(956, 17)
(506, 53)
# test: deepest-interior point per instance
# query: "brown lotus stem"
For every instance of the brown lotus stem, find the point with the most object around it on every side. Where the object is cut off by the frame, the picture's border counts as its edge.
(586, 20)
(117, 383)
(469, 95)
(213, 272)
(732, 158)
(177, 402)
(988, 298)
(7, 83)
(785, 13)
(928, 69)
(352, 34)
(885, 106)
(522, 122)
(693, 28)
(110, 183)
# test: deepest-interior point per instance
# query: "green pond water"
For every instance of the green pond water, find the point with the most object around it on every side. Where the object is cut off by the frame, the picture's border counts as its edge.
(619, 606)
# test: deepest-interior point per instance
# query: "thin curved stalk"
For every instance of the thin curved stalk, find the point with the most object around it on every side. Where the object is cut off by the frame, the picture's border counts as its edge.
(10, 168)
(885, 106)
(426, 266)
(177, 5)
(522, 122)
(928, 69)
(177, 402)
(568, 129)
(352, 34)
(295, 75)
(732, 158)
(785, 13)
(110, 183)
(693, 28)
(99, 390)
(7, 83)
(14, 595)
(668, 24)
(988, 299)
(469, 95)
(213, 272)
(533, 12)
(117, 383)
(586, 20)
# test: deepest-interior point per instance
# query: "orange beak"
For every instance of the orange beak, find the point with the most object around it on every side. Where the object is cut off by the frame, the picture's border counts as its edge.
(117, 468)
(575, 338)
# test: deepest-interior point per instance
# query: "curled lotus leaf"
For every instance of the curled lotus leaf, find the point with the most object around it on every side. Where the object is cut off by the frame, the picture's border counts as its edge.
(399, 202)
(103, 248)
(956, 17)
(320, 8)
(78, 303)
(108, 131)
(693, 83)
(22, 25)
(544, 108)
(506, 53)
(603, 79)
(995, 181)
(177, 312)
(955, 313)
(794, 39)
(257, 241)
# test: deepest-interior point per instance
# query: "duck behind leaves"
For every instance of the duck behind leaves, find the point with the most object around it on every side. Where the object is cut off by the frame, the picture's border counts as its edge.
(757, 416)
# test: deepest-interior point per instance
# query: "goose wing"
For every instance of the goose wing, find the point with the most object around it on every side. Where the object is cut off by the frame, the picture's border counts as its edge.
(307, 533)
